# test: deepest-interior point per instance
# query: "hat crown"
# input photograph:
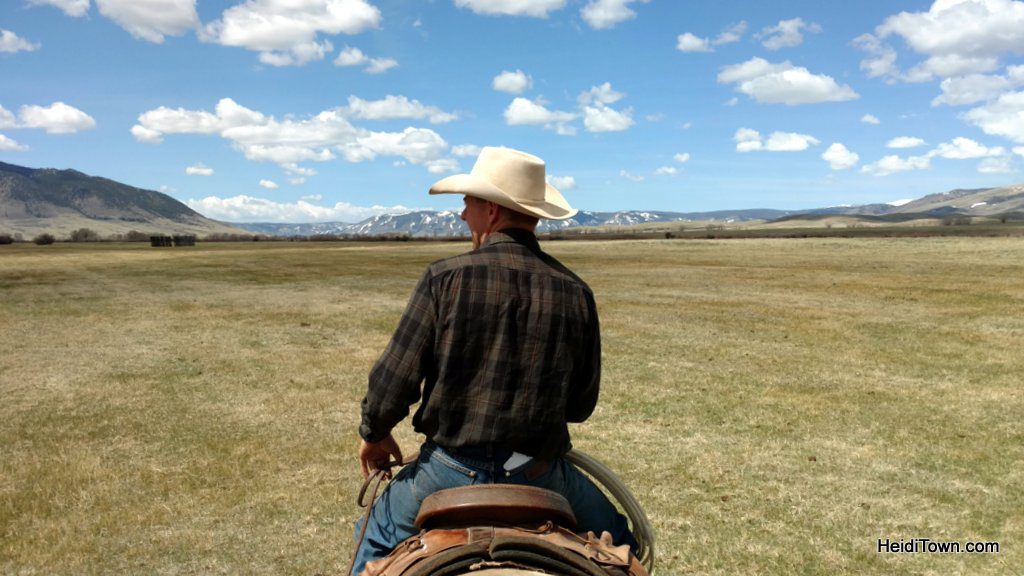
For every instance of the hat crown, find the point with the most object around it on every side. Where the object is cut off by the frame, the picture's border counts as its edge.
(518, 174)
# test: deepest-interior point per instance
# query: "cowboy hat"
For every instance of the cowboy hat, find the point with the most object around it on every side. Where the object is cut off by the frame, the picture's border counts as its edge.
(512, 179)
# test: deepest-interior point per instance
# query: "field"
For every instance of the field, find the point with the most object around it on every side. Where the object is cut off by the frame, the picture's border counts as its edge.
(778, 405)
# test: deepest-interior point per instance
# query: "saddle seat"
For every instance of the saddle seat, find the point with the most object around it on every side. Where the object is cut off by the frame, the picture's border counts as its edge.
(494, 504)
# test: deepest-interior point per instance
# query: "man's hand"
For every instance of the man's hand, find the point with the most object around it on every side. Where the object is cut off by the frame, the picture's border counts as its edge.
(376, 455)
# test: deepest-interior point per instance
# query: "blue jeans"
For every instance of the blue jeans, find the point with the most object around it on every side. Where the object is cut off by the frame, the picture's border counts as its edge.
(394, 513)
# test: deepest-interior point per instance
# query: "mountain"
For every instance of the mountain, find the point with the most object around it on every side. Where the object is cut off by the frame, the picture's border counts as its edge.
(38, 200)
(427, 223)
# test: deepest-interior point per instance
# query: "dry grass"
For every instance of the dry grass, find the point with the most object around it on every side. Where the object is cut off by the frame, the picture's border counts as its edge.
(778, 405)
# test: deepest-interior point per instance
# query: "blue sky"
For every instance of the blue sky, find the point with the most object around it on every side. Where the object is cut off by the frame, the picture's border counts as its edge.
(315, 110)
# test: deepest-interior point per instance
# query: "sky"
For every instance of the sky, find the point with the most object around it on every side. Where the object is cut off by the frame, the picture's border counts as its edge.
(338, 110)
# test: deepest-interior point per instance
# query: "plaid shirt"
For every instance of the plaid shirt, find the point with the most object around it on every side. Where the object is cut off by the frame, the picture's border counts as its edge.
(506, 339)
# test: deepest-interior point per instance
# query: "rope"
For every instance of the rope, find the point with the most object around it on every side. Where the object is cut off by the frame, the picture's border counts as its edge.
(378, 476)
(642, 530)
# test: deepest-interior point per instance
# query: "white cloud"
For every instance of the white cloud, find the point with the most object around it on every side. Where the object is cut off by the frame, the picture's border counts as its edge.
(463, 150)
(11, 43)
(965, 149)
(354, 57)
(287, 142)
(527, 112)
(999, 165)
(893, 164)
(312, 197)
(10, 145)
(199, 169)
(392, 107)
(732, 101)
(249, 209)
(7, 119)
(786, 34)
(904, 142)
(978, 87)
(269, 184)
(869, 119)
(57, 118)
(562, 182)
(512, 82)
(75, 8)
(783, 83)
(1003, 117)
(286, 32)
(731, 34)
(839, 157)
(632, 177)
(1019, 150)
(602, 94)
(688, 42)
(957, 37)
(601, 118)
(296, 170)
(151, 20)
(604, 14)
(748, 140)
(682, 158)
(534, 8)
(666, 171)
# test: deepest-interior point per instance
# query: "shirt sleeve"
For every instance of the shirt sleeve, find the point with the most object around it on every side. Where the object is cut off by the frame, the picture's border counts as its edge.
(586, 382)
(394, 382)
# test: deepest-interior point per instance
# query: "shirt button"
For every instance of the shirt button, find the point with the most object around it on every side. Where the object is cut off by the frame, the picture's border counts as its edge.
(472, 474)
(508, 474)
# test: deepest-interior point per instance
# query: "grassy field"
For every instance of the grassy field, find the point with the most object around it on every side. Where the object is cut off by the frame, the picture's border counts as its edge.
(777, 405)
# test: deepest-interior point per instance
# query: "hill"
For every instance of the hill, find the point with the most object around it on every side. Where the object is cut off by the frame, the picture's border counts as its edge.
(38, 200)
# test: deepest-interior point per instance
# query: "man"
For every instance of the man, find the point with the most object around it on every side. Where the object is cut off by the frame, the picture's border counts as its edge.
(505, 342)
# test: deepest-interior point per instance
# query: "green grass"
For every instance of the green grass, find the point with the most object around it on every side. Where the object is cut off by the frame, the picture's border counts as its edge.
(777, 405)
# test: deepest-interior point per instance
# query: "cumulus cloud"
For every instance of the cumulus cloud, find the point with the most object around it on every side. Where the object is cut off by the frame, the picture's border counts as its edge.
(249, 209)
(11, 43)
(601, 118)
(57, 118)
(839, 157)
(290, 141)
(199, 169)
(786, 34)
(10, 145)
(957, 37)
(562, 182)
(523, 111)
(688, 42)
(354, 57)
(978, 87)
(534, 8)
(463, 150)
(269, 184)
(7, 119)
(682, 157)
(630, 176)
(904, 142)
(666, 171)
(749, 140)
(287, 33)
(869, 119)
(1000, 165)
(965, 149)
(1001, 117)
(1019, 150)
(512, 82)
(604, 14)
(75, 8)
(393, 107)
(151, 20)
(602, 94)
(893, 164)
(783, 83)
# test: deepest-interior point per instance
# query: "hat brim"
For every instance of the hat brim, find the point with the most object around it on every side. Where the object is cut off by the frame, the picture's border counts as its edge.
(553, 207)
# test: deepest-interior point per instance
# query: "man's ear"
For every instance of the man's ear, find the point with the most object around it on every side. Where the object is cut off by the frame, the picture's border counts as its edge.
(493, 213)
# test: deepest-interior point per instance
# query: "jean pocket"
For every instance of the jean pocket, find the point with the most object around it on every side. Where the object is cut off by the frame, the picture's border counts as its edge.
(437, 471)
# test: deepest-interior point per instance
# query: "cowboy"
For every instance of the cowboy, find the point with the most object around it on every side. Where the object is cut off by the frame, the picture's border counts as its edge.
(502, 349)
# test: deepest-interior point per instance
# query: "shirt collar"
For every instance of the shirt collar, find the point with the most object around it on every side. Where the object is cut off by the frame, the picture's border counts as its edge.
(516, 235)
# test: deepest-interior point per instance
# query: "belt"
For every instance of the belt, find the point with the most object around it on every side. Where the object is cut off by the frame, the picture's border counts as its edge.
(499, 455)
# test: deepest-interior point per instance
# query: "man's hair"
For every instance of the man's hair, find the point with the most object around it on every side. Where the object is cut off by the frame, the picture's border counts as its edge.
(515, 217)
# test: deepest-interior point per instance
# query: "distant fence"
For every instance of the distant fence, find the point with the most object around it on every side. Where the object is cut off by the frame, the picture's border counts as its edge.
(176, 240)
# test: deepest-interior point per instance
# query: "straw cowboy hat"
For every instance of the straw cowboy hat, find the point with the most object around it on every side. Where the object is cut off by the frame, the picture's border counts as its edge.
(512, 179)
